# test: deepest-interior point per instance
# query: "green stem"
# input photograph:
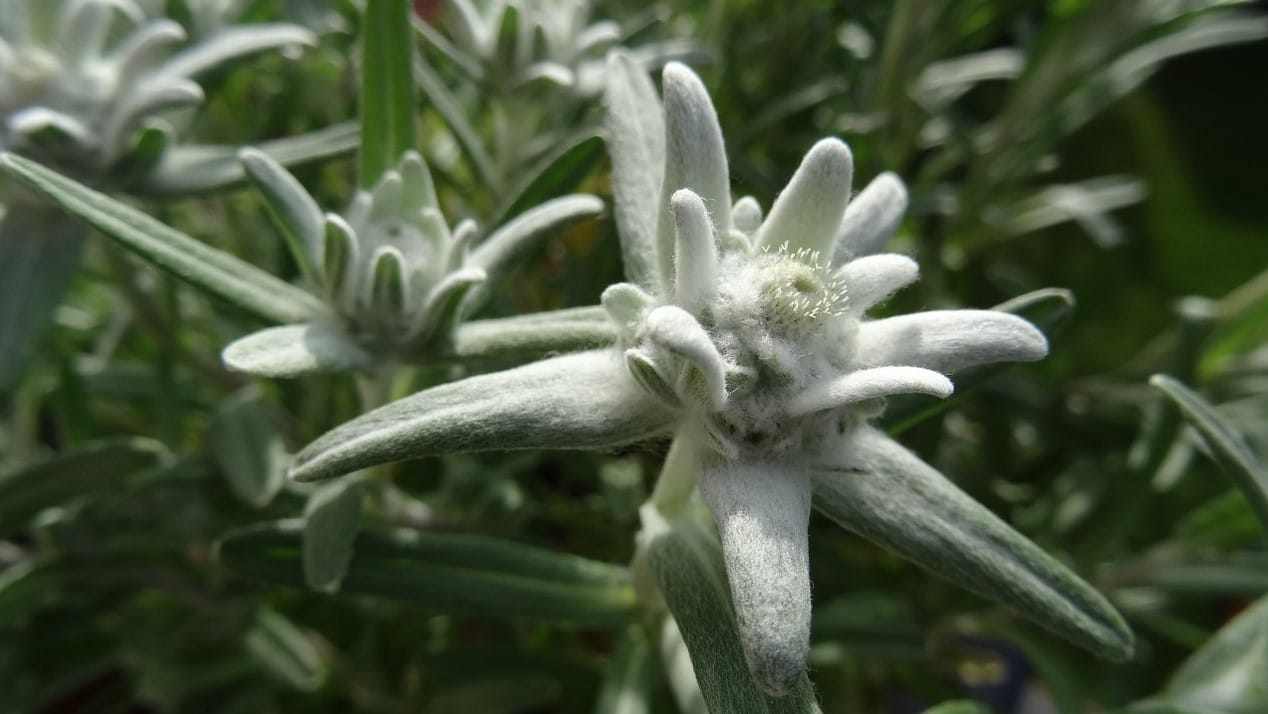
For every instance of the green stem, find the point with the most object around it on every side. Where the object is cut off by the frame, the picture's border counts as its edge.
(677, 478)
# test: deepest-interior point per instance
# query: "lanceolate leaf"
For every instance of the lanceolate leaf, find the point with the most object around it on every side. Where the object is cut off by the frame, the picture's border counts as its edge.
(530, 334)
(297, 350)
(331, 521)
(687, 564)
(248, 448)
(40, 248)
(213, 271)
(448, 572)
(1226, 444)
(630, 680)
(560, 173)
(579, 401)
(889, 496)
(284, 651)
(1227, 673)
(193, 169)
(63, 478)
(389, 97)
(635, 128)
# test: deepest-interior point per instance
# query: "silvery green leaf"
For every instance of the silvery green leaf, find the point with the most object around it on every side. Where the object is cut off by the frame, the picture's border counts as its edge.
(649, 375)
(687, 565)
(441, 309)
(1227, 673)
(762, 511)
(332, 518)
(635, 132)
(291, 209)
(389, 95)
(872, 278)
(447, 572)
(340, 254)
(389, 289)
(695, 158)
(807, 213)
(871, 383)
(27, 490)
(883, 492)
(297, 350)
(193, 169)
(578, 401)
(1045, 308)
(696, 251)
(1226, 443)
(629, 680)
(248, 448)
(232, 44)
(676, 662)
(508, 242)
(514, 337)
(871, 218)
(143, 101)
(950, 340)
(40, 247)
(211, 270)
(284, 651)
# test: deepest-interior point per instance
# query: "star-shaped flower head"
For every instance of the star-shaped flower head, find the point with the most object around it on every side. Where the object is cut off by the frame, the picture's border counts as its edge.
(83, 82)
(396, 278)
(747, 339)
(753, 330)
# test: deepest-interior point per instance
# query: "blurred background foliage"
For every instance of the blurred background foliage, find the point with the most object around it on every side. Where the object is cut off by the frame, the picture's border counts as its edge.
(1045, 144)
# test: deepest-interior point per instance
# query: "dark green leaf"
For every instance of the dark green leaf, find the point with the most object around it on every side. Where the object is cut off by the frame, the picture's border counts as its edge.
(389, 96)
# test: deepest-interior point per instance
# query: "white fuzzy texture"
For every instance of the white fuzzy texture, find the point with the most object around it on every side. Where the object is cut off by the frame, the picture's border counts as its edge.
(950, 340)
(762, 511)
(864, 384)
(676, 331)
(808, 211)
(871, 279)
(871, 218)
(696, 258)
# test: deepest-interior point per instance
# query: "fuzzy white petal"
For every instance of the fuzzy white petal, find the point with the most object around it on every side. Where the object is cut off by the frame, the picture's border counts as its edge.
(871, 218)
(696, 257)
(677, 331)
(808, 212)
(635, 132)
(746, 214)
(949, 340)
(695, 158)
(867, 384)
(762, 511)
(873, 278)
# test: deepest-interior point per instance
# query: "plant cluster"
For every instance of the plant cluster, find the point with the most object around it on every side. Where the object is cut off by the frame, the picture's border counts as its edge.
(532, 412)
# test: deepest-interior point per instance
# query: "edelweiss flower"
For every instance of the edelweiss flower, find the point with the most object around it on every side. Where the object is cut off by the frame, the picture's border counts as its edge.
(82, 80)
(748, 341)
(396, 279)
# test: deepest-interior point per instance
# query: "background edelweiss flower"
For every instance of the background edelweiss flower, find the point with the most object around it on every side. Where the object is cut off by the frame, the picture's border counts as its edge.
(745, 338)
(397, 280)
(83, 82)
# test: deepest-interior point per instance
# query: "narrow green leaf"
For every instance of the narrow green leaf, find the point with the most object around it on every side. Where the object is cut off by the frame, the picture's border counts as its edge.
(88, 470)
(630, 680)
(1227, 445)
(578, 401)
(186, 170)
(450, 110)
(297, 350)
(687, 564)
(331, 521)
(248, 448)
(513, 238)
(447, 572)
(389, 96)
(1228, 673)
(560, 173)
(233, 43)
(883, 492)
(211, 270)
(284, 651)
(40, 248)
